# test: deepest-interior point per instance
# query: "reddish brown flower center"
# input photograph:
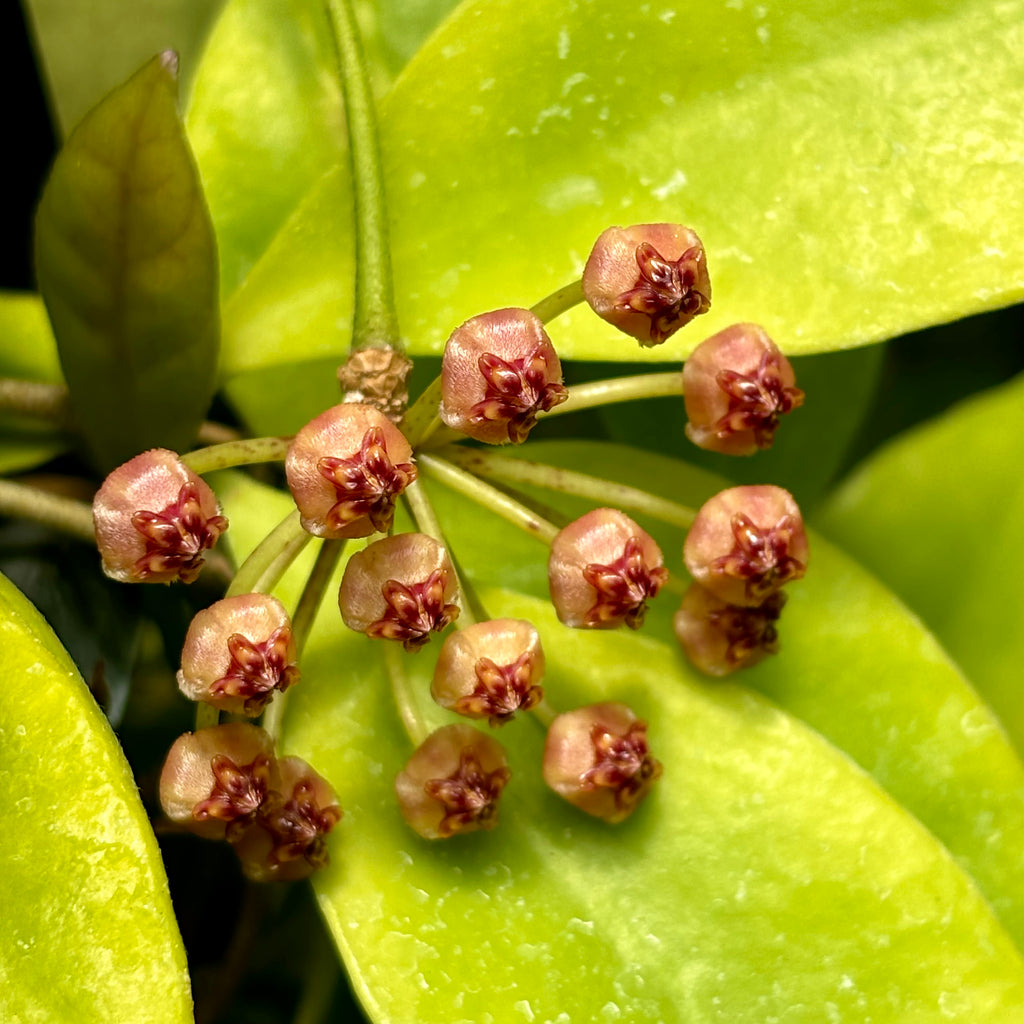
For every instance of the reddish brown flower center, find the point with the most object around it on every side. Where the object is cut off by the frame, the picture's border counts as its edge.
(757, 400)
(414, 610)
(502, 690)
(622, 763)
(749, 630)
(366, 484)
(666, 290)
(761, 556)
(469, 795)
(177, 536)
(623, 587)
(238, 792)
(298, 827)
(257, 669)
(515, 391)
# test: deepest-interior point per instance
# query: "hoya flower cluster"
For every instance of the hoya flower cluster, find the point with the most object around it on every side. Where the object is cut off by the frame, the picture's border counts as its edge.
(347, 468)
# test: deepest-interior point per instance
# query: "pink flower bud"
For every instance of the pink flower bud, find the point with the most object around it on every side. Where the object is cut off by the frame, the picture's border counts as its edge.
(499, 370)
(736, 385)
(597, 758)
(289, 838)
(602, 570)
(648, 280)
(345, 469)
(215, 781)
(452, 783)
(746, 543)
(490, 670)
(154, 518)
(399, 588)
(720, 638)
(238, 653)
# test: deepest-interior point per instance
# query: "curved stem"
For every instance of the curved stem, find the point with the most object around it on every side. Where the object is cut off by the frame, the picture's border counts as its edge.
(421, 418)
(489, 497)
(374, 323)
(270, 559)
(558, 302)
(36, 399)
(401, 689)
(567, 481)
(243, 452)
(65, 514)
(620, 389)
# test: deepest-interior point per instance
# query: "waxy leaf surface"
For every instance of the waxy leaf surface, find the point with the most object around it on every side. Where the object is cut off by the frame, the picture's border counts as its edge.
(127, 266)
(762, 845)
(89, 934)
(945, 502)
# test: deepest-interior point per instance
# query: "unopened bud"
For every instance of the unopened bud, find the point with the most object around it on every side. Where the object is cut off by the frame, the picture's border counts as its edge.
(289, 839)
(746, 543)
(238, 653)
(720, 638)
(602, 570)
(648, 280)
(345, 469)
(154, 518)
(736, 385)
(452, 783)
(399, 588)
(490, 670)
(597, 758)
(499, 370)
(215, 781)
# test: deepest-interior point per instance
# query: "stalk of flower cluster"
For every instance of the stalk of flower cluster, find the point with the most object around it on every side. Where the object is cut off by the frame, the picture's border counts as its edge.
(36, 399)
(620, 389)
(246, 451)
(270, 559)
(65, 514)
(559, 302)
(402, 693)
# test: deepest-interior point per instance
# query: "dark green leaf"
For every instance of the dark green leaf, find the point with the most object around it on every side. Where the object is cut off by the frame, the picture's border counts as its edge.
(89, 933)
(127, 266)
(938, 514)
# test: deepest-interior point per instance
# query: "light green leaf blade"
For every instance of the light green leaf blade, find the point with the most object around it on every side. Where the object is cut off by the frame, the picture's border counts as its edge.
(87, 49)
(127, 266)
(938, 513)
(809, 146)
(27, 352)
(89, 933)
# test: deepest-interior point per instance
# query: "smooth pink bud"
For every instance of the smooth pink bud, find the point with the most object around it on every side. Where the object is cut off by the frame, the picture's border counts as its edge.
(597, 758)
(746, 543)
(490, 670)
(736, 385)
(238, 653)
(498, 372)
(452, 782)
(602, 570)
(215, 781)
(720, 638)
(154, 518)
(648, 280)
(346, 468)
(399, 588)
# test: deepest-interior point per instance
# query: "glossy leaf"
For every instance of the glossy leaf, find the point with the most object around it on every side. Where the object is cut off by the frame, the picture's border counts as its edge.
(516, 135)
(126, 261)
(89, 933)
(938, 514)
(88, 49)
(27, 352)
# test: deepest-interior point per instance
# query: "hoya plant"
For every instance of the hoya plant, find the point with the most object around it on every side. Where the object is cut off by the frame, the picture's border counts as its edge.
(494, 528)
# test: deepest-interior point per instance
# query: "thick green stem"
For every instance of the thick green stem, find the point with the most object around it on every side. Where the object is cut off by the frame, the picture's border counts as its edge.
(489, 497)
(270, 559)
(65, 514)
(558, 302)
(374, 323)
(246, 451)
(567, 481)
(620, 389)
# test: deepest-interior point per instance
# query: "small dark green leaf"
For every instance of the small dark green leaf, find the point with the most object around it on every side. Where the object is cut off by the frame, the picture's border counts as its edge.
(938, 514)
(127, 266)
(88, 930)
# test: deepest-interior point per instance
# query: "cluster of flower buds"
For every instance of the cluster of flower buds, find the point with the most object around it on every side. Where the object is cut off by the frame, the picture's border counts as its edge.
(225, 783)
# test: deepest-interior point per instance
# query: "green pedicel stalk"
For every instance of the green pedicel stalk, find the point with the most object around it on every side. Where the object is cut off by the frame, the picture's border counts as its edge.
(243, 452)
